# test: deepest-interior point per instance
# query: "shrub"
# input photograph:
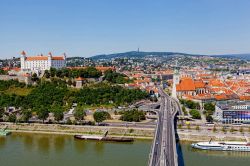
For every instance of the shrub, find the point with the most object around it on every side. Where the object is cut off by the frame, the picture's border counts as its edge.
(195, 114)
(133, 116)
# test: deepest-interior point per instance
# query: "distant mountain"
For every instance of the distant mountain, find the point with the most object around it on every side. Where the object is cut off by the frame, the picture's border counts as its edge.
(136, 54)
(238, 56)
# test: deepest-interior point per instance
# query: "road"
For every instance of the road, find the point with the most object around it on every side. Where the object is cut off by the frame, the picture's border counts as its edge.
(163, 150)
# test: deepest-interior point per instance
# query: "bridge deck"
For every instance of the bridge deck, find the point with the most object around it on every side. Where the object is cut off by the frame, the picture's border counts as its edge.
(163, 151)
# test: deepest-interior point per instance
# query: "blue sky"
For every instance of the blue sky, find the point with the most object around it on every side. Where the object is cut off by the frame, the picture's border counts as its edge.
(90, 27)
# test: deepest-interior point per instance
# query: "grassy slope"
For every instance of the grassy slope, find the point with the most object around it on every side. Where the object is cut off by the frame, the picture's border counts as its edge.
(18, 91)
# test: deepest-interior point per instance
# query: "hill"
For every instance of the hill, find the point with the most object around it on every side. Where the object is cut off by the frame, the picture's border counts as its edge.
(136, 54)
(238, 56)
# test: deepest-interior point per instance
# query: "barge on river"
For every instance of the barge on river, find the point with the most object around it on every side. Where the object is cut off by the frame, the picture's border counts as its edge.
(104, 138)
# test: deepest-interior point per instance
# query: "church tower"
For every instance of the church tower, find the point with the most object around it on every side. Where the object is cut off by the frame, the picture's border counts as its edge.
(176, 80)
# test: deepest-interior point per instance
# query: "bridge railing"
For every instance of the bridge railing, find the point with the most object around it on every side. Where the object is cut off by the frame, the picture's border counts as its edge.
(153, 145)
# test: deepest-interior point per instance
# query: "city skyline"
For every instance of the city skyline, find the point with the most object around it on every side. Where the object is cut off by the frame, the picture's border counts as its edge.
(91, 27)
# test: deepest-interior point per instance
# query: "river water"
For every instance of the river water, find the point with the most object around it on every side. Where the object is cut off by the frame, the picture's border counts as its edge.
(57, 150)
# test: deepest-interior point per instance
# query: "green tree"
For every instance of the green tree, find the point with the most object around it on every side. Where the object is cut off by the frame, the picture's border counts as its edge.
(209, 107)
(58, 114)
(43, 113)
(195, 114)
(184, 110)
(1, 112)
(26, 115)
(52, 72)
(70, 82)
(34, 77)
(100, 116)
(79, 114)
(59, 73)
(47, 74)
(209, 118)
(69, 122)
(191, 105)
(12, 118)
(114, 77)
(133, 115)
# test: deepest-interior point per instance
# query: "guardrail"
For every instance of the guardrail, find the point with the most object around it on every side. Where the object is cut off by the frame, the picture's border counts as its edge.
(153, 145)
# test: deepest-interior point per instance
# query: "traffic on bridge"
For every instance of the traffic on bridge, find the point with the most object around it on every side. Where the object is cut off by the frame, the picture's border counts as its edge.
(163, 150)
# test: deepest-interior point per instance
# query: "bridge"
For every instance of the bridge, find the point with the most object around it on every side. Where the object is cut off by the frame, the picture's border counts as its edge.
(163, 150)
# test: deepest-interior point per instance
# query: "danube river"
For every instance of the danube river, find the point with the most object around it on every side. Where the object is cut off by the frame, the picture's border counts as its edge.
(58, 150)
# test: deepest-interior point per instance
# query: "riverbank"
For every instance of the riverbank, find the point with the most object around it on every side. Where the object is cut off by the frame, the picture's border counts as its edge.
(130, 132)
(197, 136)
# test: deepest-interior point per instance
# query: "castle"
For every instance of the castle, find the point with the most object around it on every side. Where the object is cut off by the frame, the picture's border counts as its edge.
(41, 62)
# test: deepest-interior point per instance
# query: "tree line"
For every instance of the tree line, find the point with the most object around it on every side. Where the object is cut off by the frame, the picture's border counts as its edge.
(56, 97)
(114, 77)
(88, 72)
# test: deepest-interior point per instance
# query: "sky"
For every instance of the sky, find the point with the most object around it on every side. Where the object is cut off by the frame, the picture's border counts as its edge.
(91, 27)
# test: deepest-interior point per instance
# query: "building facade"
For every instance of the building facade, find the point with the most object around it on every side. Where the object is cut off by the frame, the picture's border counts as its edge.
(41, 63)
(233, 112)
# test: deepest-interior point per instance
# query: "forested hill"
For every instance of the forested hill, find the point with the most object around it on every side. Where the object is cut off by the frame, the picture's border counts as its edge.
(136, 54)
(239, 56)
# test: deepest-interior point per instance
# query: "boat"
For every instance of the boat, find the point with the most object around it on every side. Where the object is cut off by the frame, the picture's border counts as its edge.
(3, 132)
(103, 138)
(223, 146)
(92, 137)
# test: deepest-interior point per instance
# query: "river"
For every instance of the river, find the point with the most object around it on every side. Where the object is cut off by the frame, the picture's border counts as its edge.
(57, 150)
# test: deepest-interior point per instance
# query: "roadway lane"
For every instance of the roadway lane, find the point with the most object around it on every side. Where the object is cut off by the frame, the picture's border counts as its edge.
(163, 151)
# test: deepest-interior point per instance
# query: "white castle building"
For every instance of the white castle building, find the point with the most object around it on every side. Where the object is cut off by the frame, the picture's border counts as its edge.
(40, 62)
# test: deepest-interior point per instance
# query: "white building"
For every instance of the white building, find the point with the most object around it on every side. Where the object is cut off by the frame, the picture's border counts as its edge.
(40, 62)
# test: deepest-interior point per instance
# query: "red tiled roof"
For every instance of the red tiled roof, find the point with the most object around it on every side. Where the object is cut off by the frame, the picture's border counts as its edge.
(37, 58)
(11, 68)
(43, 58)
(217, 83)
(100, 68)
(79, 79)
(199, 84)
(57, 58)
(186, 84)
(221, 97)
(23, 53)
(244, 97)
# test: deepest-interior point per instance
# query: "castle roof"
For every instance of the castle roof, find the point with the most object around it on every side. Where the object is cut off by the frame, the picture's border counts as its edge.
(43, 58)
(23, 53)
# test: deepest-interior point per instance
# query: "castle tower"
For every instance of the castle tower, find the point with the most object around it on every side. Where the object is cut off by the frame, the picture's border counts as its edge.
(64, 57)
(22, 59)
(49, 60)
